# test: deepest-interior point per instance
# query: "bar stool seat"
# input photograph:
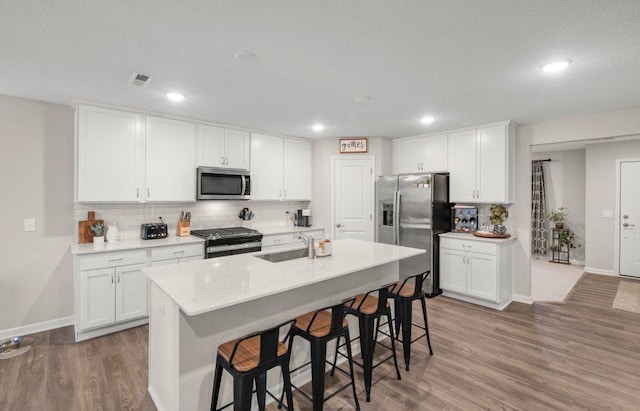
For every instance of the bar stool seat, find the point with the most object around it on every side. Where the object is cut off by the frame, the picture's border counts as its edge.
(321, 326)
(367, 304)
(404, 294)
(248, 359)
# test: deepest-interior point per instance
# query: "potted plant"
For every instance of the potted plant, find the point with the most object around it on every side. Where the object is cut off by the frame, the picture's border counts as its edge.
(558, 216)
(98, 234)
(565, 238)
(499, 214)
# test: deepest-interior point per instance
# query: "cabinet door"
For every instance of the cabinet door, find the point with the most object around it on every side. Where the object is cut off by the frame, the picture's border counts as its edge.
(210, 146)
(237, 144)
(97, 302)
(407, 156)
(297, 170)
(132, 292)
(170, 160)
(453, 270)
(483, 276)
(463, 169)
(110, 163)
(492, 164)
(266, 167)
(435, 153)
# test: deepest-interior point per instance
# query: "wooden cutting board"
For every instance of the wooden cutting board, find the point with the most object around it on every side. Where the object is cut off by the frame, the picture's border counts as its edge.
(85, 235)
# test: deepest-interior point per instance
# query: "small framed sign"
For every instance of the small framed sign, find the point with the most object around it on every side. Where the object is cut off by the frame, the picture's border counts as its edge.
(354, 145)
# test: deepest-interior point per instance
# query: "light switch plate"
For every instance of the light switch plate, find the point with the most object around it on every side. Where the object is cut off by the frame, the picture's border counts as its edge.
(29, 224)
(607, 213)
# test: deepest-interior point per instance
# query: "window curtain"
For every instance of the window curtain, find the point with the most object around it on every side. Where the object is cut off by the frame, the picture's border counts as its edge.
(538, 210)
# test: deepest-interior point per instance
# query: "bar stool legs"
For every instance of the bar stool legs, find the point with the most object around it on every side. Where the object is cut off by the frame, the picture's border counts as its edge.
(318, 361)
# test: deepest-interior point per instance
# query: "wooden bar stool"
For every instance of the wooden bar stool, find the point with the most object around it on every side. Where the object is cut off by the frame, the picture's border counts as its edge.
(319, 327)
(248, 359)
(369, 309)
(404, 294)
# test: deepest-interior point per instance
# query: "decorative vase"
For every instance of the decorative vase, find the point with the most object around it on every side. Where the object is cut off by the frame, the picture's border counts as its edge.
(98, 241)
(499, 229)
(559, 226)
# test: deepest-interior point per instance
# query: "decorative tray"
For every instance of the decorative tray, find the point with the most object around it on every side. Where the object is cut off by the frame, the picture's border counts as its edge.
(322, 254)
(489, 234)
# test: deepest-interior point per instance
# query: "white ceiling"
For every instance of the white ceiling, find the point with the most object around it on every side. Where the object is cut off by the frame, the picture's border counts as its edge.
(465, 62)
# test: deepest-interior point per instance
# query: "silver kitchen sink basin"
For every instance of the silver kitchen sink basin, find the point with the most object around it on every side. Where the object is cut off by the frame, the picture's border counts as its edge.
(284, 255)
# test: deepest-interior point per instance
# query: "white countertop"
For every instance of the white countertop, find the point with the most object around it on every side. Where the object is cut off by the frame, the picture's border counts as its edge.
(132, 244)
(208, 285)
(471, 237)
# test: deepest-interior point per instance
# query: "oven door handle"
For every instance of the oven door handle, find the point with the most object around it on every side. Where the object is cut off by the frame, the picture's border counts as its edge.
(242, 246)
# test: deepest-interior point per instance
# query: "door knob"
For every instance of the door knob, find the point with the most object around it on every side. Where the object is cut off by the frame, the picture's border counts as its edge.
(338, 225)
(628, 225)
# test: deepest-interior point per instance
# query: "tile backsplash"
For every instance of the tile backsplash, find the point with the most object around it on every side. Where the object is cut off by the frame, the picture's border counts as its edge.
(204, 214)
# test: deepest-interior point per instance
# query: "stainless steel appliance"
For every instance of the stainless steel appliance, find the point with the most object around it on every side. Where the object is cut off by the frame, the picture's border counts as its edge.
(411, 210)
(223, 184)
(153, 231)
(303, 218)
(229, 241)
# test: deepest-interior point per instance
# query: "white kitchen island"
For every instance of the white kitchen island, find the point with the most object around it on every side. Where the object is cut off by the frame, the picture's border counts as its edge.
(196, 306)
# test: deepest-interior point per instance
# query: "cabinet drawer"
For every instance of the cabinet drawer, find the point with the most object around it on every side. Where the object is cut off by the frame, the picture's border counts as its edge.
(106, 260)
(471, 246)
(178, 251)
(277, 240)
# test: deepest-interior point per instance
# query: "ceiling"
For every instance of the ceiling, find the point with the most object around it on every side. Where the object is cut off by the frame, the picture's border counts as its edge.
(465, 62)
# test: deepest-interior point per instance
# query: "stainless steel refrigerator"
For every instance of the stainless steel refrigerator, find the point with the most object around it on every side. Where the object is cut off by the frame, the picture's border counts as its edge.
(411, 210)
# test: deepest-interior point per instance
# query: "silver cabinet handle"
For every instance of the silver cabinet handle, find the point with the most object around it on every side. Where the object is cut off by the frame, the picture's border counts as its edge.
(464, 259)
(148, 192)
(478, 194)
(222, 160)
(112, 278)
(178, 253)
(279, 193)
(226, 161)
(285, 193)
(137, 192)
(118, 278)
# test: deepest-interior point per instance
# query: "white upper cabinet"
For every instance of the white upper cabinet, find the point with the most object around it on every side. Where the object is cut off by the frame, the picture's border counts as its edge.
(223, 147)
(297, 170)
(280, 168)
(421, 154)
(170, 161)
(481, 165)
(266, 167)
(110, 162)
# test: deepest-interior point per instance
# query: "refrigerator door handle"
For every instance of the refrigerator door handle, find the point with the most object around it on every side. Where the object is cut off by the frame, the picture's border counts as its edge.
(396, 217)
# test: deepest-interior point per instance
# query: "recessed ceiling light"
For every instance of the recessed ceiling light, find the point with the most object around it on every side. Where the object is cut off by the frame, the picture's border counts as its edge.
(317, 127)
(245, 56)
(557, 65)
(427, 120)
(175, 96)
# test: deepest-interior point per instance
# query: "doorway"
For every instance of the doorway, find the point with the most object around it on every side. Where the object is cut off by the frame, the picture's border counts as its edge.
(352, 197)
(628, 217)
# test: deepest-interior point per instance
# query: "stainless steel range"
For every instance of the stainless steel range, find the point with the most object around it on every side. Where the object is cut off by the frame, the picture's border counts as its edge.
(228, 241)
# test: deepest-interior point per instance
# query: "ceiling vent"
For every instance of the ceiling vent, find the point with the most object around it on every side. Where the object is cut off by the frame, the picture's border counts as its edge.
(140, 80)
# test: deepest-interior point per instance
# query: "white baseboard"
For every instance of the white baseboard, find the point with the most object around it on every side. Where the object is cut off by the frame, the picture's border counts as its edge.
(37, 327)
(577, 262)
(599, 271)
(525, 299)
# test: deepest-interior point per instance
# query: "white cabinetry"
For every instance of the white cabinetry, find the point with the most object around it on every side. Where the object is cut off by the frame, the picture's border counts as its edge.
(477, 271)
(111, 288)
(421, 154)
(176, 254)
(110, 155)
(481, 164)
(170, 160)
(223, 147)
(280, 168)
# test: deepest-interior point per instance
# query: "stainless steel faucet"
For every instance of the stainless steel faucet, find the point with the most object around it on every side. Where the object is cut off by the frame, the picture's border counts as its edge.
(309, 243)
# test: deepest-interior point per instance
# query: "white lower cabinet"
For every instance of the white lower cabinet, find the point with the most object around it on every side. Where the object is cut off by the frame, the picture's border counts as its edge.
(477, 271)
(112, 291)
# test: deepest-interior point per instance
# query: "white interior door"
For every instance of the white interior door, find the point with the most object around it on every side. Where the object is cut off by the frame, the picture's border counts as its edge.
(353, 182)
(630, 218)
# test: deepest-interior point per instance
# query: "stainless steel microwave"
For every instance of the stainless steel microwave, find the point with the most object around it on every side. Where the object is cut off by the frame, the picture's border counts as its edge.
(223, 184)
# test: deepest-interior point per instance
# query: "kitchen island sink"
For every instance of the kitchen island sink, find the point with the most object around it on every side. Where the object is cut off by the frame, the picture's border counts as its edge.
(284, 255)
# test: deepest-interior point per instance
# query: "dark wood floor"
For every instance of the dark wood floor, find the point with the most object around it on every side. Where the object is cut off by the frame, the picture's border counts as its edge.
(578, 355)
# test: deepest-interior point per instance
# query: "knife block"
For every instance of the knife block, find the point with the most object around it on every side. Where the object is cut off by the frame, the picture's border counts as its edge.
(183, 229)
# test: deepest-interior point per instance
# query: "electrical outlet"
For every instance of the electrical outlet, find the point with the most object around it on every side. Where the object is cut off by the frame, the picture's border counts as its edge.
(29, 224)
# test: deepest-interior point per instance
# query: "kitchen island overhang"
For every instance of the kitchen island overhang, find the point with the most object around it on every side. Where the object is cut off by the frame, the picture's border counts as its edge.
(196, 306)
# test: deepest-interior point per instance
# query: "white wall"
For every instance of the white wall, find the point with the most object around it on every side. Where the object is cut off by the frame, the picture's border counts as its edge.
(601, 177)
(600, 125)
(565, 183)
(36, 181)
(326, 148)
